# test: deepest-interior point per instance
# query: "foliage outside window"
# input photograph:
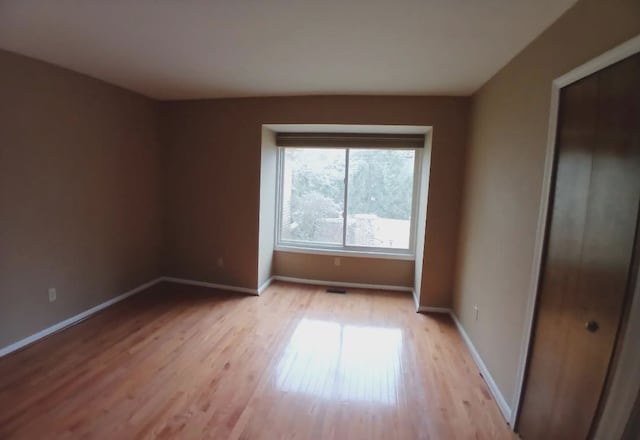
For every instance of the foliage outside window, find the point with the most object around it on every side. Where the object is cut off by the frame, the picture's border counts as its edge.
(374, 187)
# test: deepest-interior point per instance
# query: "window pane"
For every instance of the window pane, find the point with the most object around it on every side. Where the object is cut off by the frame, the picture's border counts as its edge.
(380, 194)
(313, 195)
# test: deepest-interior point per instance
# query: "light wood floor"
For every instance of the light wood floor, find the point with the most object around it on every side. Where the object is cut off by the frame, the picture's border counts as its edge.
(296, 362)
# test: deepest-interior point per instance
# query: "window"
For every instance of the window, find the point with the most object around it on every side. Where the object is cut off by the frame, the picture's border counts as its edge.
(375, 188)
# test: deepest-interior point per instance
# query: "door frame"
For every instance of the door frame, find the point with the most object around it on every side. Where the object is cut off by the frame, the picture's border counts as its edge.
(618, 53)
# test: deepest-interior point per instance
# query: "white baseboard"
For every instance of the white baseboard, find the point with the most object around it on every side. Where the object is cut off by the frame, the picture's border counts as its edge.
(427, 309)
(499, 398)
(343, 284)
(211, 285)
(265, 285)
(495, 391)
(81, 316)
(74, 319)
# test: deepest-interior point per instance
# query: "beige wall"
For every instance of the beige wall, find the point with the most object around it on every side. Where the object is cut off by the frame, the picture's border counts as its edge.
(102, 190)
(421, 221)
(266, 241)
(351, 269)
(504, 177)
(213, 149)
(79, 199)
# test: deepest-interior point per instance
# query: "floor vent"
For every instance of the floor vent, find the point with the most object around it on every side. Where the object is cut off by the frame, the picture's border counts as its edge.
(336, 290)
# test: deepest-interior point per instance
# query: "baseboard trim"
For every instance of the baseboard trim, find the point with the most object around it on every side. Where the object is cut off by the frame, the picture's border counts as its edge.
(493, 388)
(265, 285)
(427, 309)
(211, 285)
(343, 284)
(74, 319)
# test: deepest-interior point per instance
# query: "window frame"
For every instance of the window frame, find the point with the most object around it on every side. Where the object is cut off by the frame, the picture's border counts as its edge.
(344, 249)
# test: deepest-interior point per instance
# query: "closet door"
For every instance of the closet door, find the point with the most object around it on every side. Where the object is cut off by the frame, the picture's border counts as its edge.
(589, 253)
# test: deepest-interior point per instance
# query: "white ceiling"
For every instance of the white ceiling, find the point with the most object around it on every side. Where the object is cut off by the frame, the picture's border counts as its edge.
(173, 49)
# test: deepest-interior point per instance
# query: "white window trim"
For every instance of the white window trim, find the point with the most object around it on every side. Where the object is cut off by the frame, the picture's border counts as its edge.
(347, 250)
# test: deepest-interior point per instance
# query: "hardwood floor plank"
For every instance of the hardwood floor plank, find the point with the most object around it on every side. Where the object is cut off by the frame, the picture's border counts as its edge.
(189, 362)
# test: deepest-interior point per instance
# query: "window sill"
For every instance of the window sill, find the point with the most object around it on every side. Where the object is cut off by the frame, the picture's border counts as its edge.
(346, 253)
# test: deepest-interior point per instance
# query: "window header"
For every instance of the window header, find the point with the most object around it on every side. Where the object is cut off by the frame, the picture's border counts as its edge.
(350, 140)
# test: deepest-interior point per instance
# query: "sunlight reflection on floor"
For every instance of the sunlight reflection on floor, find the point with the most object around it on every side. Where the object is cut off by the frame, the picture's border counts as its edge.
(342, 362)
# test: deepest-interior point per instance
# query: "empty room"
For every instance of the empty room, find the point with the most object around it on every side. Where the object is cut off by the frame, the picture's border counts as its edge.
(305, 219)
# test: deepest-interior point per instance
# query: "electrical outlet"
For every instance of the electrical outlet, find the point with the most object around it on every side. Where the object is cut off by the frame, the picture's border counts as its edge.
(52, 294)
(336, 261)
(220, 262)
(475, 313)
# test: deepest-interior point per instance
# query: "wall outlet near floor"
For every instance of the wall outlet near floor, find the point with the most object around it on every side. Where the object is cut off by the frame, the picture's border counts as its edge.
(52, 294)
(475, 313)
(336, 261)
(220, 262)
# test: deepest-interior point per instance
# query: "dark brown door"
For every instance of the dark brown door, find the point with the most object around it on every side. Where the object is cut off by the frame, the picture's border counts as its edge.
(588, 254)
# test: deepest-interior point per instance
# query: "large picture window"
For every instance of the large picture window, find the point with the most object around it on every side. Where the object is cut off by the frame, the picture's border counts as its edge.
(347, 199)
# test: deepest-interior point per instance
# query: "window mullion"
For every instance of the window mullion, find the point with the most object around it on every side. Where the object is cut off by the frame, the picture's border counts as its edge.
(346, 197)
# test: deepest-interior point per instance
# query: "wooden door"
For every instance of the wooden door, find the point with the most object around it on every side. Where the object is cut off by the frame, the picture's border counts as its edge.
(588, 255)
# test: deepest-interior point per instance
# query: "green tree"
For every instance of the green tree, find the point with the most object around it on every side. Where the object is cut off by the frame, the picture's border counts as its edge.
(381, 183)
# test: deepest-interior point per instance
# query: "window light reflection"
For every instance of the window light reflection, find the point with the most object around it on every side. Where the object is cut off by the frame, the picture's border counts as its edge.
(346, 363)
